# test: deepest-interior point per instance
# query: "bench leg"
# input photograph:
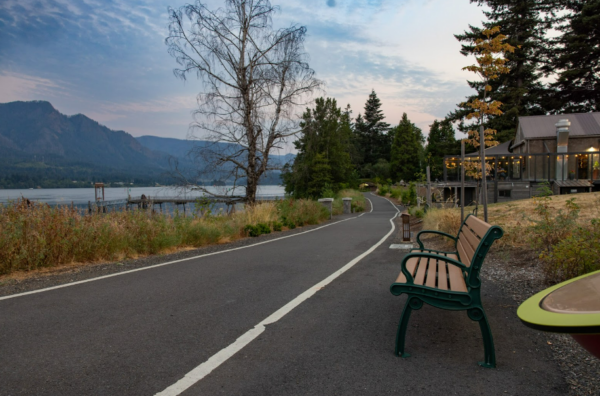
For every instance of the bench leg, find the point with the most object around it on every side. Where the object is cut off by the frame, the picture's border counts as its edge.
(411, 303)
(477, 314)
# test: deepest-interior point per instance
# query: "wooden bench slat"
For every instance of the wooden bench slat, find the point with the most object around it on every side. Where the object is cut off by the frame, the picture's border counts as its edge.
(471, 238)
(411, 265)
(442, 279)
(451, 255)
(431, 273)
(479, 226)
(465, 258)
(420, 274)
(457, 280)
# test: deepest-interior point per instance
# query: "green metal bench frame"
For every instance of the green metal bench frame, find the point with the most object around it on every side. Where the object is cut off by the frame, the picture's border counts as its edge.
(447, 299)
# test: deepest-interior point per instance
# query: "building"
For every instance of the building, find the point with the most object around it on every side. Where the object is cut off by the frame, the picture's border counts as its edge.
(557, 150)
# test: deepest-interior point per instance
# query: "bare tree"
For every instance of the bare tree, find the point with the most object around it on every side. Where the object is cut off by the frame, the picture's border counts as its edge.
(253, 78)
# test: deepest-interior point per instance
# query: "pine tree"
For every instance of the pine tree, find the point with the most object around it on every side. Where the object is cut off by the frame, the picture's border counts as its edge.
(407, 150)
(323, 158)
(521, 92)
(576, 59)
(372, 132)
(440, 142)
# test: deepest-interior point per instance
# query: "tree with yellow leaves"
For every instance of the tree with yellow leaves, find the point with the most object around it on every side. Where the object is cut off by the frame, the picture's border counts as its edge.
(490, 65)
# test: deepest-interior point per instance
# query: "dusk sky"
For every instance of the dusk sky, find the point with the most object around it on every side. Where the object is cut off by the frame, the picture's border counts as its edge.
(107, 58)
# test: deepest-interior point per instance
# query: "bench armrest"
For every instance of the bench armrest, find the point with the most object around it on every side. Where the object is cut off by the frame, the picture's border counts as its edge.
(409, 277)
(432, 232)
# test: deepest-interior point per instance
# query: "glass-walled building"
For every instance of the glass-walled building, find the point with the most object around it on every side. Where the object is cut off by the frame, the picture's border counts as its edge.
(560, 150)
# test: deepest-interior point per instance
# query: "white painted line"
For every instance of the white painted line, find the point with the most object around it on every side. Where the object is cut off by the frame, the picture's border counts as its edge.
(167, 263)
(370, 203)
(223, 355)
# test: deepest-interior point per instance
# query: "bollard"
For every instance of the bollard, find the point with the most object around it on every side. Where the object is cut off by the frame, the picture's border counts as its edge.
(328, 203)
(347, 205)
(406, 234)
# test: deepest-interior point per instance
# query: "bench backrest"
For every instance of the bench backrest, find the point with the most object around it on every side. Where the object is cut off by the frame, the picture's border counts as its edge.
(474, 240)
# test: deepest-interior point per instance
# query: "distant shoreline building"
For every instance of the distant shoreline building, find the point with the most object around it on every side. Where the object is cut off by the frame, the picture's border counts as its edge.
(562, 150)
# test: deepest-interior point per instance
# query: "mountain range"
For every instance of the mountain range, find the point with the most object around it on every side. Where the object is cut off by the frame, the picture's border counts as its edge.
(39, 146)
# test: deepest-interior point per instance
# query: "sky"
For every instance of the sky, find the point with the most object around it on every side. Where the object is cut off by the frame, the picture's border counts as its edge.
(107, 58)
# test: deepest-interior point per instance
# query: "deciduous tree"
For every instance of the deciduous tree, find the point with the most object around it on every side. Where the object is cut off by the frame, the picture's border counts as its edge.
(253, 77)
(491, 63)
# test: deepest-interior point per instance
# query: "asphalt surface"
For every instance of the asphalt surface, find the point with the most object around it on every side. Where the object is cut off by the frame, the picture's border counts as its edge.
(139, 333)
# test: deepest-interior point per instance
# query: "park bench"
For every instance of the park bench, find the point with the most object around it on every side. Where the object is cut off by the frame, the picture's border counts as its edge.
(448, 280)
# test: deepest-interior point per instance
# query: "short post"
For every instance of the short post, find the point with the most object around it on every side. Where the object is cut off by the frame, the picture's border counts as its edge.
(428, 188)
(405, 227)
(347, 205)
(328, 203)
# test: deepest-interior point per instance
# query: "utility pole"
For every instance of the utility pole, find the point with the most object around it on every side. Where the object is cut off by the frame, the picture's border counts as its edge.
(462, 180)
(483, 170)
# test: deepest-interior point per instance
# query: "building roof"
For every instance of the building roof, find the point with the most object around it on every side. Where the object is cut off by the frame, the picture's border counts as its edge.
(544, 126)
(501, 149)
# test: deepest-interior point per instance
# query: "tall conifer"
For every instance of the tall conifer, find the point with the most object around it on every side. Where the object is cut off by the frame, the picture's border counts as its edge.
(407, 150)
(576, 59)
(372, 132)
(440, 142)
(521, 92)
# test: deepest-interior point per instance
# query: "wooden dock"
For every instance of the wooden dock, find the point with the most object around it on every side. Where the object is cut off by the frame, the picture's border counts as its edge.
(149, 202)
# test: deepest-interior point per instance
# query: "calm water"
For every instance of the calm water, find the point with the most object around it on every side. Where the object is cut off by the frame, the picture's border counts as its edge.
(80, 196)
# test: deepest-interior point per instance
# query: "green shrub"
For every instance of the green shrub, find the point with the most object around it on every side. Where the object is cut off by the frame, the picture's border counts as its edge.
(383, 190)
(263, 228)
(327, 192)
(395, 193)
(277, 226)
(575, 255)
(252, 230)
(551, 227)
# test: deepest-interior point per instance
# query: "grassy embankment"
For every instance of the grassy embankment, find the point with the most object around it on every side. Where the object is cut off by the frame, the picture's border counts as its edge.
(38, 236)
(564, 230)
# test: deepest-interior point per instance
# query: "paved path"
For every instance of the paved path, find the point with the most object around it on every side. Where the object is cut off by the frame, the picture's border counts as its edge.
(140, 333)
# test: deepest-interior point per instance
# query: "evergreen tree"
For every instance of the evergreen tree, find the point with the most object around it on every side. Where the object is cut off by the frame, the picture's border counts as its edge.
(320, 176)
(374, 142)
(323, 158)
(576, 59)
(520, 91)
(407, 151)
(358, 139)
(440, 142)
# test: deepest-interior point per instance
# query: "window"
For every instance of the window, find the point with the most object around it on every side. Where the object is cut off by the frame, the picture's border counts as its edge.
(504, 193)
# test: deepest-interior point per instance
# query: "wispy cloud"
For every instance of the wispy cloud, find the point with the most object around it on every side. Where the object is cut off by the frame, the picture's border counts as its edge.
(107, 58)
(17, 86)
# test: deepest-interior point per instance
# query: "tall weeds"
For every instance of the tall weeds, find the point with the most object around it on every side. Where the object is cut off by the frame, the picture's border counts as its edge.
(37, 235)
(564, 232)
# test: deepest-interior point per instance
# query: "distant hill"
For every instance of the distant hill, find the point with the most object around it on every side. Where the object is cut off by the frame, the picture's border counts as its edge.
(39, 146)
(36, 129)
(181, 149)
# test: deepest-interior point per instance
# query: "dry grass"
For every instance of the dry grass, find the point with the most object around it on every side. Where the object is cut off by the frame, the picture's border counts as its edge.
(515, 217)
(39, 236)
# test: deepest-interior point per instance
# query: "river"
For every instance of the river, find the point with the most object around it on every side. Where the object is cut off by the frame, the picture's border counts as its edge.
(81, 196)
